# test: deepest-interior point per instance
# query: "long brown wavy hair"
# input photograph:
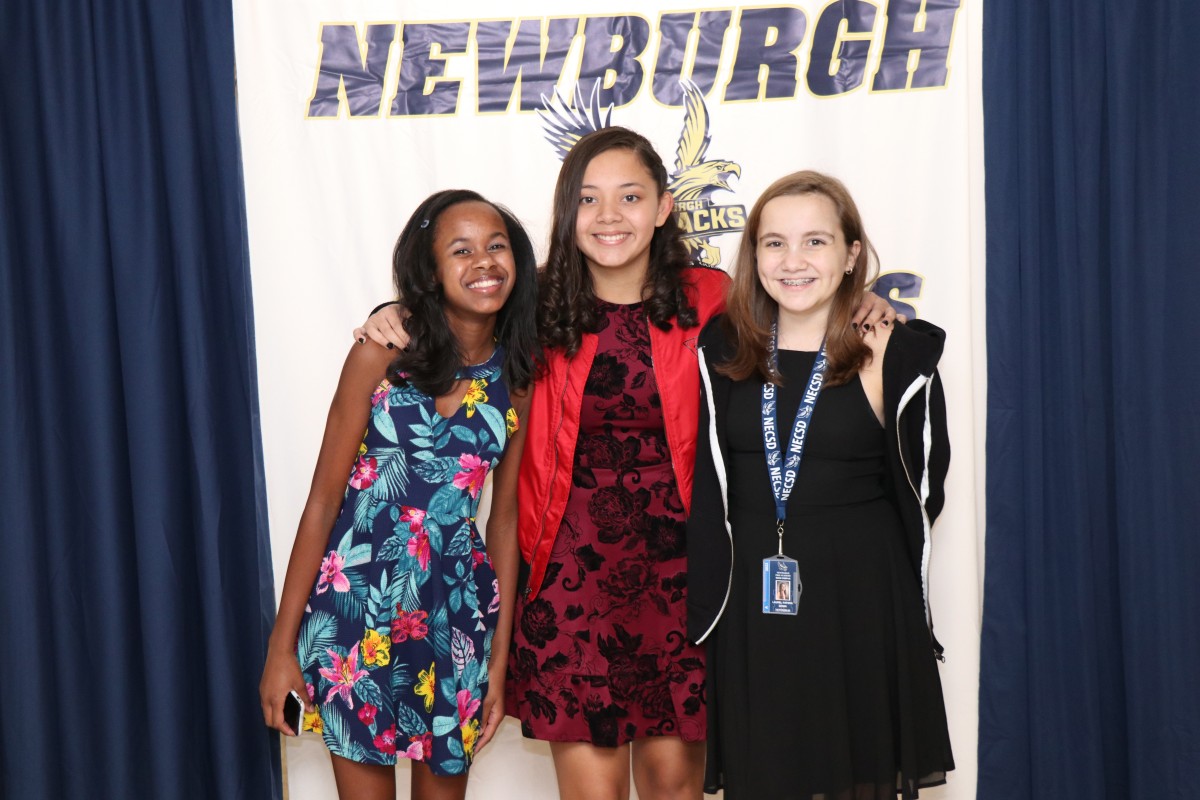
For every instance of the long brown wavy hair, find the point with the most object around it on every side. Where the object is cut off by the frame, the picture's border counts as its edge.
(567, 300)
(750, 311)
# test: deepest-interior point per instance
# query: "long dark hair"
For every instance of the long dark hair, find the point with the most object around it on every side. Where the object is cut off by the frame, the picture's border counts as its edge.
(433, 356)
(750, 311)
(567, 308)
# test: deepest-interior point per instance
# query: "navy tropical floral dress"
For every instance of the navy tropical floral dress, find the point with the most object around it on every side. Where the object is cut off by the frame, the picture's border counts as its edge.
(395, 641)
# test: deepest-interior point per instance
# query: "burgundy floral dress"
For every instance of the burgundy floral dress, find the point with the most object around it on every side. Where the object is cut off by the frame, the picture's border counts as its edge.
(600, 655)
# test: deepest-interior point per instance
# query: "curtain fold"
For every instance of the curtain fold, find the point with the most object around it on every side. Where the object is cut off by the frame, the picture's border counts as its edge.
(1091, 625)
(137, 591)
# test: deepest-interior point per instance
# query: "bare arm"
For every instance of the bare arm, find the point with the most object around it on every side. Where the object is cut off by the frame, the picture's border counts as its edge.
(385, 327)
(349, 413)
(503, 550)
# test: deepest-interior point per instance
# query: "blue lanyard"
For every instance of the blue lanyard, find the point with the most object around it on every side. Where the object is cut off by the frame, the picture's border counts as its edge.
(783, 472)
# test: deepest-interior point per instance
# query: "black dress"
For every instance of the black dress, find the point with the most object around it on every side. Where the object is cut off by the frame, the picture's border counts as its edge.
(843, 702)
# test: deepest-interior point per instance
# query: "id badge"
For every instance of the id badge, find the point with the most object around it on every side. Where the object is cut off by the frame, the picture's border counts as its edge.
(781, 585)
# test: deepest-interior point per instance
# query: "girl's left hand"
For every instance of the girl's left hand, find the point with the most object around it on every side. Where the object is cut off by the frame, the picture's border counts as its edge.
(493, 713)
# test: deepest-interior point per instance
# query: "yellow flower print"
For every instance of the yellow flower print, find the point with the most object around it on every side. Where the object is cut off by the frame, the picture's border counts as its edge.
(475, 394)
(376, 649)
(426, 683)
(511, 422)
(470, 732)
(312, 722)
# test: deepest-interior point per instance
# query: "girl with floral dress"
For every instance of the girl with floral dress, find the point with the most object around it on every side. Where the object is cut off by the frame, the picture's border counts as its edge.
(395, 619)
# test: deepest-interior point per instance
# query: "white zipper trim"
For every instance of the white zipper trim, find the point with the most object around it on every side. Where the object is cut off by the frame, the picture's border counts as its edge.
(719, 466)
(920, 384)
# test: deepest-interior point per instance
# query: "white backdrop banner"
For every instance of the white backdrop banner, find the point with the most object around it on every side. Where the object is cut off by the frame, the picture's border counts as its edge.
(353, 111)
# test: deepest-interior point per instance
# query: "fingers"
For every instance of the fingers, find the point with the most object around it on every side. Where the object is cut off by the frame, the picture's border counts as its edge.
(873, 311)
(281, 675)
(272, 710)
(385, 327)
(392, 329)
(493, 715)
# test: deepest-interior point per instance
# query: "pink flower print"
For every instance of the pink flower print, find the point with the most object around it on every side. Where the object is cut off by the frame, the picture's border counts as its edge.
(494, 606)
(381, 394)
(418, 546)
(366, 715)
(365, 472)
(385, 742)
(474, 472)
(467, 705)
(343, 676)
(421, 748)
(415, 518)
(332, 575)
(405, 625)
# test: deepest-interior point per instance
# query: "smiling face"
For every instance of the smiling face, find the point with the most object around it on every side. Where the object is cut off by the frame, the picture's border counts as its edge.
(619, 209)
(474, 260)
(802, 255)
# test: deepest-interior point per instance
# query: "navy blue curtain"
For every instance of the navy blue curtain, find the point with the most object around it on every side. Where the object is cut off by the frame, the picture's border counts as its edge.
(135, 591)
(1090, 682)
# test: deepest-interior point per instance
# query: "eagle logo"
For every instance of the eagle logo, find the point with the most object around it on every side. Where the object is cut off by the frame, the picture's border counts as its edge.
(695, 177)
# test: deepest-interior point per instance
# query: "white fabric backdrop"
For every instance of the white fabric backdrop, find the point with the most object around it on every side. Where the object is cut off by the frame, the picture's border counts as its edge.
(327, 191)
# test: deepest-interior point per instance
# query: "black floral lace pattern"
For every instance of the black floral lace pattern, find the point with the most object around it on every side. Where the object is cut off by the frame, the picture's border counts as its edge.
(600, 655)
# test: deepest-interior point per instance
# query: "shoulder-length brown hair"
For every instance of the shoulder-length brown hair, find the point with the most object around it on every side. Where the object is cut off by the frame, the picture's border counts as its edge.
(567, 301)
(750, 311)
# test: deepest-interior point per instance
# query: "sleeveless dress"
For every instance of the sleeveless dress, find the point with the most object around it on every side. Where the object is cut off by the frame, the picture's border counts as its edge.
(395, 640)
(845, 702)
(600, 655)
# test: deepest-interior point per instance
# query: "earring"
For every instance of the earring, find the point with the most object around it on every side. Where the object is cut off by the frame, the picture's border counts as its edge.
(849, 271)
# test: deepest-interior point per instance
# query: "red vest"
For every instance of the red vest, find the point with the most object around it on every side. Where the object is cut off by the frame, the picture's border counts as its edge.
(552, 423)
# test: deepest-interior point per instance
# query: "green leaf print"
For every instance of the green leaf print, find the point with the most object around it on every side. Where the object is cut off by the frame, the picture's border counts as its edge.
(318, 632)
(395, 545)
(460, 543)
(463, 433)
(439, 628)
(449, 503)
(437, 470)
(448, 686)
(443, 725)
(368, 691)
(352, 603)
(472, 675)
(383, 423)
(337, 736)
(408, 722)
(495, 420)
(434, 530)
(366, 508)
(408, 590)
(392, 466)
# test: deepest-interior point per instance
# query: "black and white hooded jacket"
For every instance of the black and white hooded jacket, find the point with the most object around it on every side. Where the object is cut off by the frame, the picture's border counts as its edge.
(918, 456)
